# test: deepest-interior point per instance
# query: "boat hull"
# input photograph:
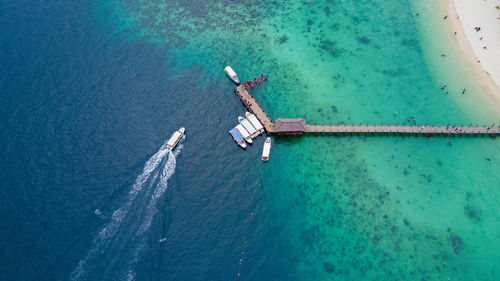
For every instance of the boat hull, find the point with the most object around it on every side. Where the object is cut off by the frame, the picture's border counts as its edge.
(255, 122)
(230, 72)
(248, 126)
(175, 138)
(244, 133)
(266, 150)
(238, 138)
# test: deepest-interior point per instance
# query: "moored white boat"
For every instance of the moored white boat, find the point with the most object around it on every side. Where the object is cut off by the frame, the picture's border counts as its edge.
(238, 138)
(248, 126)
(175, 138)
(244, 133)
(230, 72)
(266, 150)
(255, 122)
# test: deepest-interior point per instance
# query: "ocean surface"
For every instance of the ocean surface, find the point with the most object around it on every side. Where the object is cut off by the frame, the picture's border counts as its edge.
(91, 90)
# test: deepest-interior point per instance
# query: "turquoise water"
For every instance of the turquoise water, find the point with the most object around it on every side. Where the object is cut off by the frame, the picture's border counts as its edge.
(92, 90)
(348, 208)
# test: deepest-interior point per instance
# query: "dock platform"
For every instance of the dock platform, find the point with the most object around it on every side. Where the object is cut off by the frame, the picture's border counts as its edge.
(403, 130)
(255, 108)
(298, 126)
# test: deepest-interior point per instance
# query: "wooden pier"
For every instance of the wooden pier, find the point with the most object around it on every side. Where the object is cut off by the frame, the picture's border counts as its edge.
(255, 108)
(403, 130)
(296, 126)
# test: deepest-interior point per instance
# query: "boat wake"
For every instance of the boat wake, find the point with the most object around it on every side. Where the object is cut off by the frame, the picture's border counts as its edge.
(127, 228)
(139, 239)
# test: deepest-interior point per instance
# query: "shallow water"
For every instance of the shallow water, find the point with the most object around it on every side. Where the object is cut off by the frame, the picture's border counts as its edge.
(323, 208)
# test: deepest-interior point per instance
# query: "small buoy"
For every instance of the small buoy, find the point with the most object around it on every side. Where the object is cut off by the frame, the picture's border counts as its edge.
(443, 55)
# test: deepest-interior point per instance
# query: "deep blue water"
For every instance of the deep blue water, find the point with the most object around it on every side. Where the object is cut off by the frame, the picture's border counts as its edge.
(83, 109)
(90, 92)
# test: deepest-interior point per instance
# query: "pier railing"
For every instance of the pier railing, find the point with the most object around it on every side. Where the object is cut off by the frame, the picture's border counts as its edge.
(404, 130)
(254, 107)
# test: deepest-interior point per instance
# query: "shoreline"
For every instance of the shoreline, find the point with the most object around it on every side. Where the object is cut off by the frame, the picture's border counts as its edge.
(471, 55)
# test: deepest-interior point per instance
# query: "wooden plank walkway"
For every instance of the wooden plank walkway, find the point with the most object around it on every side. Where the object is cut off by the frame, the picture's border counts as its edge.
(406, 130)
(255, 108)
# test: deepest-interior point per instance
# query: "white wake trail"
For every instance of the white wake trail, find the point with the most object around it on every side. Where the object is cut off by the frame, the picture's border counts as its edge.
(109, 231)
(167, 172)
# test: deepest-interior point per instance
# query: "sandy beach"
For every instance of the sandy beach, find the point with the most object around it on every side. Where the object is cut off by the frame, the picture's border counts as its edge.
(477, 27)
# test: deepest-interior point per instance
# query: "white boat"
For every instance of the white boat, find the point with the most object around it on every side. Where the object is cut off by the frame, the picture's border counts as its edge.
(230, 72)
(244, 133)
(266, 150)
(248, 126)
(172, 142)
(255, 122)
(238, 138)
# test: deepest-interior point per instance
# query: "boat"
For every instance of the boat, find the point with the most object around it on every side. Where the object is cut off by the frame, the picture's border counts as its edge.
(244, 133)
(230, 72)
(255, 122)
(248, 126)
(175, 138)
(238, 138)
(266, 150)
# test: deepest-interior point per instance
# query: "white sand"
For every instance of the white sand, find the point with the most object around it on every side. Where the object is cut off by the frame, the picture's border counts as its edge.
(483, 14)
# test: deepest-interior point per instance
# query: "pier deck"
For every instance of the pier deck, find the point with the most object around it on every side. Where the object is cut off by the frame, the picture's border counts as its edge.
(270, 127)
(255, 108)
(408, 130)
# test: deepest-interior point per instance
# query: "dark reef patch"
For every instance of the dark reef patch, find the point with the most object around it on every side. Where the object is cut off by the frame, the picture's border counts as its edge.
(282, 39)
(393, 72)
(456, 243)
(365, 40)
(409, 42)
(327, 11)
(330, 47)
(472, 212)
(330, 268)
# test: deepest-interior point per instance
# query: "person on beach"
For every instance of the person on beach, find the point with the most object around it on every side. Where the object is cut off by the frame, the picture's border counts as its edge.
(445, 17)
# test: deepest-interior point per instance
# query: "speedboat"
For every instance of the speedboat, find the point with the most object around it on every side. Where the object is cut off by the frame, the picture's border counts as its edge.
(255, 122)
(244, 133)
(174, 139)
(238, 138)
(248, 126)
(266, 150)
(230, 72)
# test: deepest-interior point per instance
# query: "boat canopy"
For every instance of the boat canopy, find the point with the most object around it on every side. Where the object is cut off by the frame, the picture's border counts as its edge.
(236, 135)
(255, 122)
(266, 150)
(174, 139)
